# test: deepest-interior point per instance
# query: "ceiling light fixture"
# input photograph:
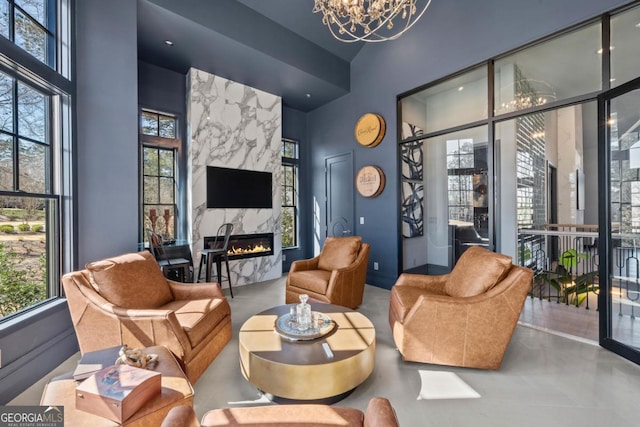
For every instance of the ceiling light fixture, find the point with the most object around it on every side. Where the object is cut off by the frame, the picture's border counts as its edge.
(369, 20)
(168, 42)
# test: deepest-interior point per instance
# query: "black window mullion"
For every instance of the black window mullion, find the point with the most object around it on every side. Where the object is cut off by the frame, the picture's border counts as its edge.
(16, 145)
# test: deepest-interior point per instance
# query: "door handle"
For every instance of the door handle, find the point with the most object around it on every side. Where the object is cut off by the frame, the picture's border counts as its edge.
(346, 232)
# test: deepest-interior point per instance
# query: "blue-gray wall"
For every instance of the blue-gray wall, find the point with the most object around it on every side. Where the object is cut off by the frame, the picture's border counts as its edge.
(107, 128)
(294, 126)
(450, 37)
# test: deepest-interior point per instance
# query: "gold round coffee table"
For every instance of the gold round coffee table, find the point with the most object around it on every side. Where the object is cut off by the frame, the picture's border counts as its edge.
(302, 370)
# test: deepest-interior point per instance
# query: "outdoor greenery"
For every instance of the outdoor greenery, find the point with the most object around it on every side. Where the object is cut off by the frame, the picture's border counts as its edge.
(7, 228)
(570, 289)
(20, 286)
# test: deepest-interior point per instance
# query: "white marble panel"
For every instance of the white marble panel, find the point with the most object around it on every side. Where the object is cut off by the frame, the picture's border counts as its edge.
(234, 126)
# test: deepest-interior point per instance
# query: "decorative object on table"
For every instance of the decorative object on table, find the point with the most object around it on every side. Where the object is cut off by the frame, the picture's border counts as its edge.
(93, 361)
(287, 326)
(137, 358)
(153, 217)
(167, 217)
(303, 314)
(117, 392)
(370, 130)
(370, 181)
(369, 20)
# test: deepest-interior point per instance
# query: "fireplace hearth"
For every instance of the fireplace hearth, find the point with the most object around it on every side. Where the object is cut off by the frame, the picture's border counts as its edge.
(244, 245)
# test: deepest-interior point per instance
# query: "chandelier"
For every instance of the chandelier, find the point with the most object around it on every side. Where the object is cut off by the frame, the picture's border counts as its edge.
(369, 20)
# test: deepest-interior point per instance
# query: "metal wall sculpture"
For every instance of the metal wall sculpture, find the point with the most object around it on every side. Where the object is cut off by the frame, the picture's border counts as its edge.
(412, 185)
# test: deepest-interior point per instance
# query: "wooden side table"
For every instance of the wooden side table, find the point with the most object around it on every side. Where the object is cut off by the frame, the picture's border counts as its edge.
(176, 390)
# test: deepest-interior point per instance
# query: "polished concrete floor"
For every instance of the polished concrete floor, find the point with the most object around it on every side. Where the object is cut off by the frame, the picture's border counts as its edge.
(545, 379)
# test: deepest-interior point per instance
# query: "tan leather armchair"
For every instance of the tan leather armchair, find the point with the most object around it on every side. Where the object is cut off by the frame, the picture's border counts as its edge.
(465, 318)
(127, 300)
(379, 413)
(336, 276)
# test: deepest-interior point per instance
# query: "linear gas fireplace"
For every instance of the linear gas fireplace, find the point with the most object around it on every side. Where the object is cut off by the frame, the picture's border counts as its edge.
(244, 245)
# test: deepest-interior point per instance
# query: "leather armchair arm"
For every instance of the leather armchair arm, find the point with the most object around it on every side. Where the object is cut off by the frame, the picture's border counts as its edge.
(305, 264)
(190, 291)
(380, 413)
(431, 284)
(182, 416)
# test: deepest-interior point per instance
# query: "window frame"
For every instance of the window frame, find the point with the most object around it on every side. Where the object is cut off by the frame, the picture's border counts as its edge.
(159, 143)
(294, 163)
(52, 58)
(57, 162)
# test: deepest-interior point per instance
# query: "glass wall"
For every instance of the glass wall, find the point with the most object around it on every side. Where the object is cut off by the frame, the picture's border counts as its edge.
(558, 69)
(625, 47)
(538, 144)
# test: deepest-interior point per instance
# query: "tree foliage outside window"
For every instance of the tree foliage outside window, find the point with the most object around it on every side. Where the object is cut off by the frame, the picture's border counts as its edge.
(289, 193)
(30, 24)
(20, 286)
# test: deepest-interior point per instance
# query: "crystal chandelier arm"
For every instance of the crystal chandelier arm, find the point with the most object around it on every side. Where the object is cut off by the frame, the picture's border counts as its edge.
(380, 13)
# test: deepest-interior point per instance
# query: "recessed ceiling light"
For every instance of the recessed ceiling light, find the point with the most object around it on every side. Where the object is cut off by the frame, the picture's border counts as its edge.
(308, 95)
(461, 88)
(612, 79)
(168, 42)
(638, 25)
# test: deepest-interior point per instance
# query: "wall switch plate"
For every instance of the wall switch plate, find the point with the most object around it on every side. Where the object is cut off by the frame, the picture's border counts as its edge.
(361, 220)
(375, 266)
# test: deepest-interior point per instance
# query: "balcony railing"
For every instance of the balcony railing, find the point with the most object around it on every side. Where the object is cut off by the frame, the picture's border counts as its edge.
(565, 260)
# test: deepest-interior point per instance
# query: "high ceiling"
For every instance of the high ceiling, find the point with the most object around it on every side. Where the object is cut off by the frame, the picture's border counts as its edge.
(278, 46)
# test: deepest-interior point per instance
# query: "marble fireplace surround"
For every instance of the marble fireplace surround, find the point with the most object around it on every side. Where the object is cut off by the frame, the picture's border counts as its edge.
(234, 126)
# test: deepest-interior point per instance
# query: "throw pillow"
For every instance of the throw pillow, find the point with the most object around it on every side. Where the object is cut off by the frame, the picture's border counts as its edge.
(477, 271)
(339, 252)
(131, 281)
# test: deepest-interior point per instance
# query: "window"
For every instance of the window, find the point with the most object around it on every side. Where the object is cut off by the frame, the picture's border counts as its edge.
(289, 193)
(30, 24)
(28, 207)
(160, 148)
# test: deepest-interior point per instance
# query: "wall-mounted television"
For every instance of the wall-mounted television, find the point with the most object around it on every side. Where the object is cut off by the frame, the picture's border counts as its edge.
(238, 188)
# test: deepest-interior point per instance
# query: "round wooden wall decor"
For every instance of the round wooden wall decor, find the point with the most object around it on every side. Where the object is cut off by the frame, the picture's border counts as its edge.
(370, 181)
(370, 129)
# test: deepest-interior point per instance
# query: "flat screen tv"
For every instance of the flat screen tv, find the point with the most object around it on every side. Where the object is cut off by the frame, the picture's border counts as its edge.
(238, 188)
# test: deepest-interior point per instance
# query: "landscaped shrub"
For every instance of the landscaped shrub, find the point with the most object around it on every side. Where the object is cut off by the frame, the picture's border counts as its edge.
(24, 227)
(38, 228)
(19, 287)
(7, 228)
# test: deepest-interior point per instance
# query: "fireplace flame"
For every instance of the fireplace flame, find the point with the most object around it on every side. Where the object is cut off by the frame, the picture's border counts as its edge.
(249, 250)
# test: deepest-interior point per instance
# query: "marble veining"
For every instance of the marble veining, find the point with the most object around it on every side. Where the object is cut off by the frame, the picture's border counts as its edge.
(234, 126)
